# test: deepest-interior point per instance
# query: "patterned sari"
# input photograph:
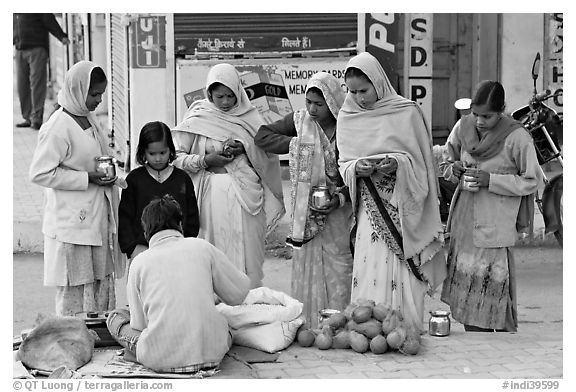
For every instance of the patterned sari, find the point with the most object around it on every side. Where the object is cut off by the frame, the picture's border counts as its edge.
(394, 127)
(322, 262)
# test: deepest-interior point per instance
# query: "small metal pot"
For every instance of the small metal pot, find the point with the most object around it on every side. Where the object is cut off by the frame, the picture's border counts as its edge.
(325, 314)
(105, 164)
(439, 323)
(320, 197)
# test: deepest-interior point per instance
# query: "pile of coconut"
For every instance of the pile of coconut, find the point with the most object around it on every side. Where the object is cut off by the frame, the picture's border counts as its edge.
(363, 326)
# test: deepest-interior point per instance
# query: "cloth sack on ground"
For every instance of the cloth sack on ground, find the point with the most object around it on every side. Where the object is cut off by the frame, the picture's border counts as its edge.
(262, 305)
(56, 342)
(270, 338)
(267, 320)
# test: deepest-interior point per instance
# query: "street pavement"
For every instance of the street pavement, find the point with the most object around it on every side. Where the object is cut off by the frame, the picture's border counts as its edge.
(535, 352)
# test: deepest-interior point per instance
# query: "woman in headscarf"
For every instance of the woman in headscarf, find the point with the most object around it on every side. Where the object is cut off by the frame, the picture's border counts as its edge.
(493, 159)
(322, 262)
(386, 160)
(81, 253)
(238, 186)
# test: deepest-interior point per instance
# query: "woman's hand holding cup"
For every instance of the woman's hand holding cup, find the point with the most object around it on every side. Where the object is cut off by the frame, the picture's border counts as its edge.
(364, 168)
(100, 179)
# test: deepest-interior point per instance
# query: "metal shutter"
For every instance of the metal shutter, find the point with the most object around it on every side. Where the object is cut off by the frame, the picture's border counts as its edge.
(119, 84)
(264, 32)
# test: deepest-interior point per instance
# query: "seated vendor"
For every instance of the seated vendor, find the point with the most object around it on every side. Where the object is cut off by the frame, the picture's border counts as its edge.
(172, 324)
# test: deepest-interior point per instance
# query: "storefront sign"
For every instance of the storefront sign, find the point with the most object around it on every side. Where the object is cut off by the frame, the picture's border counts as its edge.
(272, 42)
(378, 35)
(274, 86)
(554, 58)
(149, 42)
(419, 60)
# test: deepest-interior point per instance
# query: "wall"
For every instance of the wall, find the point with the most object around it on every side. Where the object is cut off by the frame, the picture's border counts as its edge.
(522, 37)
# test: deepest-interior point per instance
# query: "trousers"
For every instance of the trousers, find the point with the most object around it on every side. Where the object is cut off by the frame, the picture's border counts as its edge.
(31, 78)
(118, 324)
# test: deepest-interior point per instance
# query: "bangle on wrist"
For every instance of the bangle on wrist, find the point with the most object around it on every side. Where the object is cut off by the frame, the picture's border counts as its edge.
(202, 162)
(342, 199)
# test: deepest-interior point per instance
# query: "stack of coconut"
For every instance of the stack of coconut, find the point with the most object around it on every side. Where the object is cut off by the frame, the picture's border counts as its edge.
(363, 326)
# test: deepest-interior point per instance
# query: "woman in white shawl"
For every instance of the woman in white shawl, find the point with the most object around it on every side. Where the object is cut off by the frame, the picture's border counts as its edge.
(81, 252)
(322, 262)
(238, 186)
(386, 161)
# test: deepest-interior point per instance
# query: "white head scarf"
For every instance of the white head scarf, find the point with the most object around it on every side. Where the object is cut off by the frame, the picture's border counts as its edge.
(227, 75)
(331, 90)
(73, 94)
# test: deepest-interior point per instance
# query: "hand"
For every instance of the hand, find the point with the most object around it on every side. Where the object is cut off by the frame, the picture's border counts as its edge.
(387, 165)
(332, 205)
(458, 168)
(364, 168)
(479, 176)
(100, 179)
(215, 159)
(234, 147)
(137, 250)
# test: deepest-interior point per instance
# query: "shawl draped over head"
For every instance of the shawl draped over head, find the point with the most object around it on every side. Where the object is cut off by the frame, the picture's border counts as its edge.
(74, 92)
(312, 161)
(240, 123)
(72, 97)
(394, 126)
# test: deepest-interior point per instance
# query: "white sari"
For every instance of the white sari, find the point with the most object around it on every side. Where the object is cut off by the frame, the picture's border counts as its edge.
(242, 202)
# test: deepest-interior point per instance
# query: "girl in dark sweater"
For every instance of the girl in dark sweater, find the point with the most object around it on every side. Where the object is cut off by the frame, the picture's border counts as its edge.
(155, 178)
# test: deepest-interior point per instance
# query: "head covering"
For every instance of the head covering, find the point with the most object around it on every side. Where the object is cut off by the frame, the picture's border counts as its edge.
(240, 123)
(331, 90)
(74, 92)
(394, 126)
(227, 75)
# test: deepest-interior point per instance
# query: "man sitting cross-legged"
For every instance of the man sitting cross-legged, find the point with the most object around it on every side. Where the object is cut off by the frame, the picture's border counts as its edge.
(172, 324)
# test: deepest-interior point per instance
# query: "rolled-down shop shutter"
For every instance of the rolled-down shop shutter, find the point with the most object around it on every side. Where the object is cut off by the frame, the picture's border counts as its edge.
(263, 33)
(119, 107)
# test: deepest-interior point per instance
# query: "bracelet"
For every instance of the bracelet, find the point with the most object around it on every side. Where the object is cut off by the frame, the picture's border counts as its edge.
(202, 162)
(342, 199)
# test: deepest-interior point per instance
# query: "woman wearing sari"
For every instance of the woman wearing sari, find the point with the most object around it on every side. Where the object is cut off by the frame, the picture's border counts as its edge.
(238, 186)
(322, 262)
(386, 160)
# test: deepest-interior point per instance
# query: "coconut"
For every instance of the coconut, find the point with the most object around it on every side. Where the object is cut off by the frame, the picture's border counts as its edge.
(378, 345)
(341, 340)
(411, 346)
(305, 337)
(380, 311)
(395, 339)
(337, 320)
(323, 341)
(362, 314)
(358, 342)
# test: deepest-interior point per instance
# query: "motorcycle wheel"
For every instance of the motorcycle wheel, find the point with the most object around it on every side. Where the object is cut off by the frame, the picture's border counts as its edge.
(559, 233)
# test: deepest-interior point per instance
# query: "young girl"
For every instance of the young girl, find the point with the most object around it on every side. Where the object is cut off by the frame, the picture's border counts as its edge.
(480, 287)
(155, 178)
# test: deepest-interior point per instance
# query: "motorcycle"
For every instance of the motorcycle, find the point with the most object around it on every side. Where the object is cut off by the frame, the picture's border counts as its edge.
(546, 127)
